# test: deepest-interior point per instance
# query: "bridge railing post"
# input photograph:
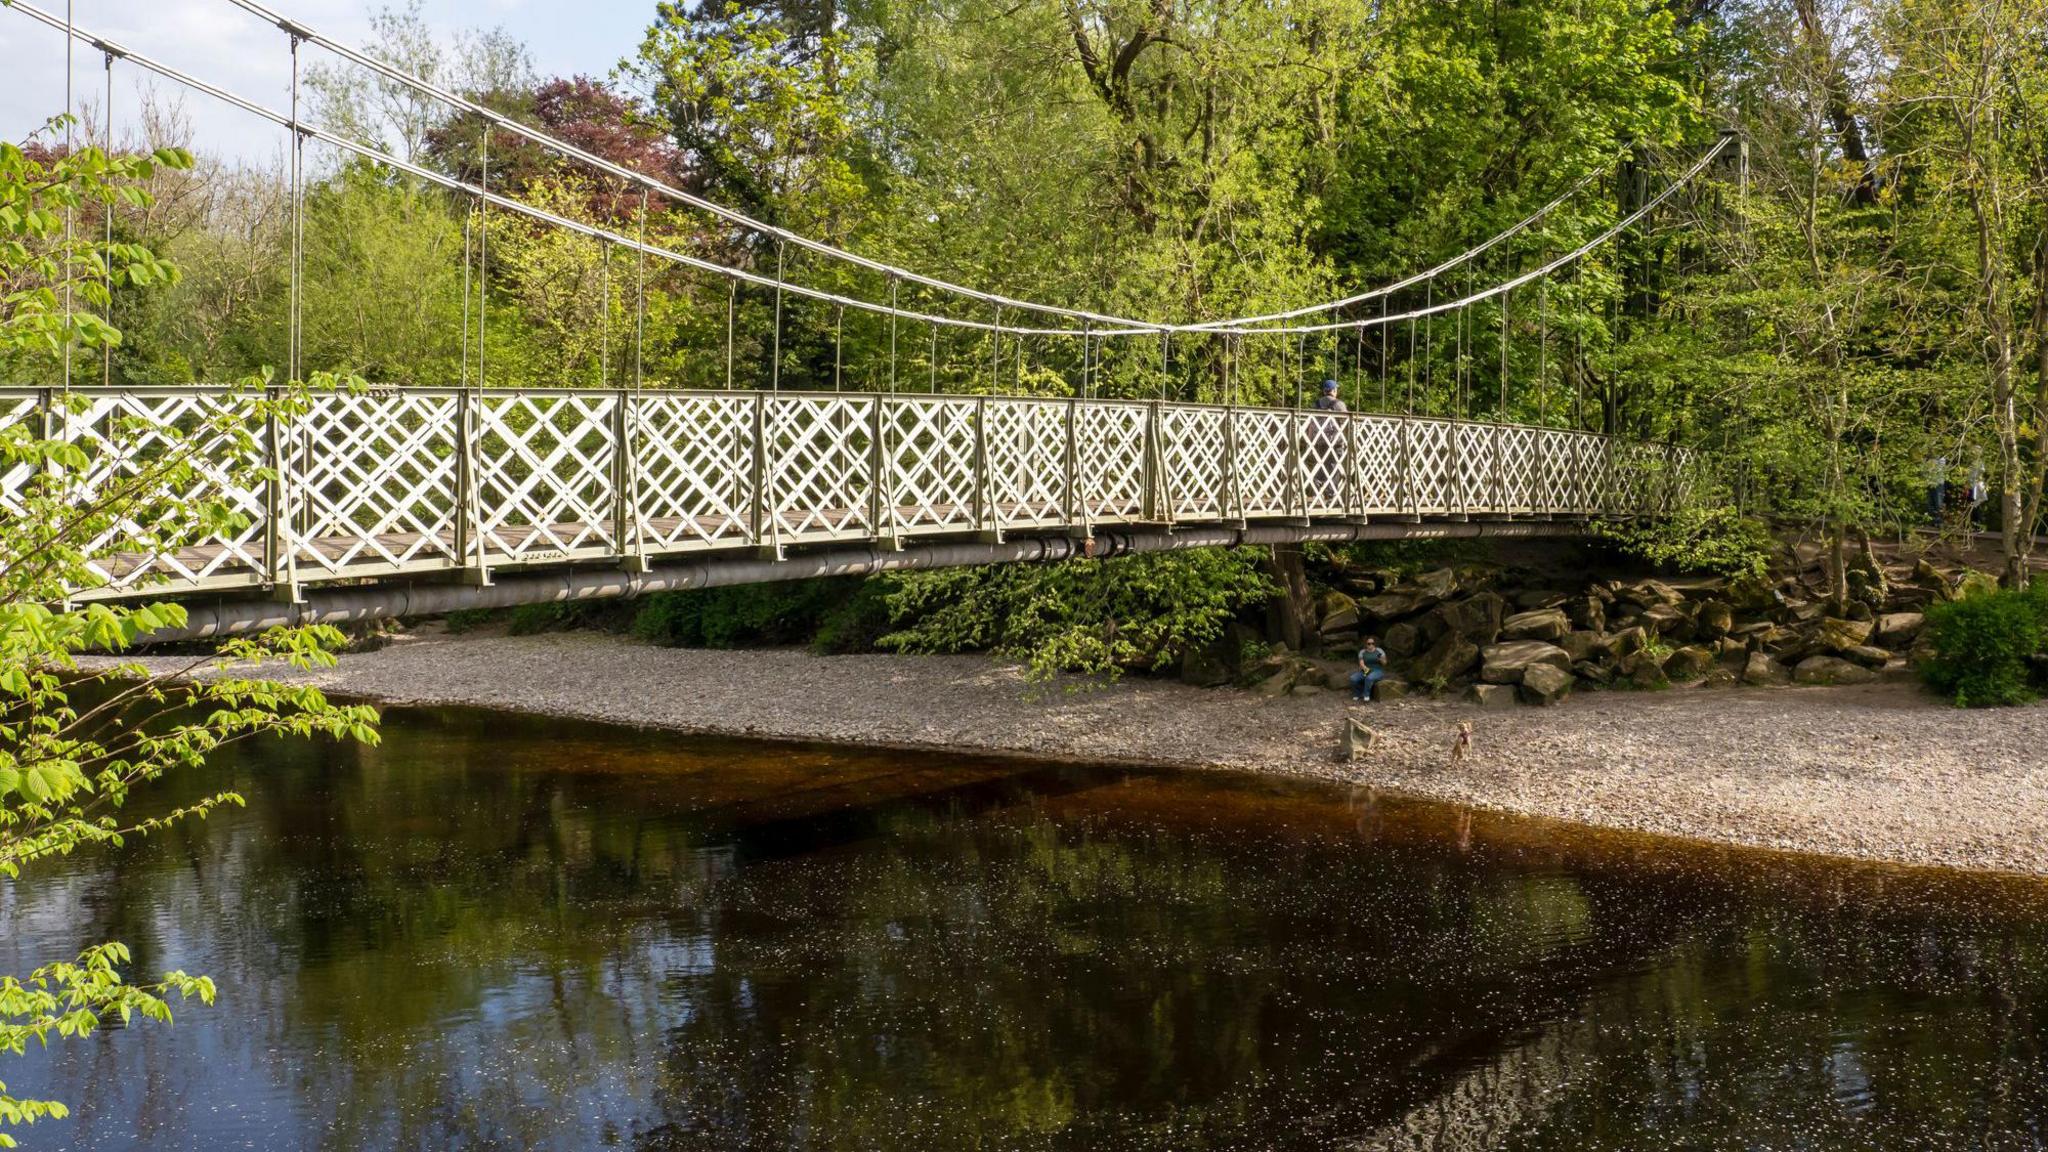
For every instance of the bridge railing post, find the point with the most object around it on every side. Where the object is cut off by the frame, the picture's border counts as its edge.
(1500, 501)
(627, 546)
(1153, 504)
(881, 472)
(469, 520)
(1297, 487)
(987, 517)
(1354, 482)
(1231, 495)
(757, 473)
(281, 569)
(1075, 496)
(1404, 467)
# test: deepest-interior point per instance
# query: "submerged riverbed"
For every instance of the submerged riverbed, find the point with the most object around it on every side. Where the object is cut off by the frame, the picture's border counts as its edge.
(513, 932)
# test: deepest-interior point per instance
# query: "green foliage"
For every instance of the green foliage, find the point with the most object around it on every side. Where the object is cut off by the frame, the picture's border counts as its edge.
(834, 612)
(67, 769)
(1096, 617)
(1697, 538)
(1988, 645)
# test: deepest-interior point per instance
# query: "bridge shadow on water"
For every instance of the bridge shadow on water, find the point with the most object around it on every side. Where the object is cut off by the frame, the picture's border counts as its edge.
(500, 931)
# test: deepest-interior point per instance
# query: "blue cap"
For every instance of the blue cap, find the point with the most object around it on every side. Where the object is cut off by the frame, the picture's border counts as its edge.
(1329, 385)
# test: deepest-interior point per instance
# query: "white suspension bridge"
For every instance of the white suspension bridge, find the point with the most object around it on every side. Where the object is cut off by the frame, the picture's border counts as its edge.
(394, 501)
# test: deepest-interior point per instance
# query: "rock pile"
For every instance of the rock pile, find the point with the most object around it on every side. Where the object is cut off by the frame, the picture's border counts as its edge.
(1503, 639)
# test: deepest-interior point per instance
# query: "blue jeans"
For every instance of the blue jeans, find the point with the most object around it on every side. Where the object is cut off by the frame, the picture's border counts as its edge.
(1362, 682)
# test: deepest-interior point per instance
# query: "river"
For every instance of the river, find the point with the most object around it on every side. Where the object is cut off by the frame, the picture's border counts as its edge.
(506, 932)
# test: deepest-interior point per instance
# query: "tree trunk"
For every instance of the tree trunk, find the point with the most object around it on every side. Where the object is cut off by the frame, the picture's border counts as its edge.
(1293, 615)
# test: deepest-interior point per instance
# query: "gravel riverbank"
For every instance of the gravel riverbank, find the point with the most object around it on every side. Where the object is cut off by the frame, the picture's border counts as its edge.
(1877, 772)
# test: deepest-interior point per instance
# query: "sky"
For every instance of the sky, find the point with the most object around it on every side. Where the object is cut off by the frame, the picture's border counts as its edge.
(233, 49)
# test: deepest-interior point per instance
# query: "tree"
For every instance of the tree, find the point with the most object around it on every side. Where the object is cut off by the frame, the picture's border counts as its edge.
(1970, 94)
(388, 114)
(76, 744)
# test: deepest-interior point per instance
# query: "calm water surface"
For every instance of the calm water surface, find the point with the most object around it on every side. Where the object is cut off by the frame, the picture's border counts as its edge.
(498, 932)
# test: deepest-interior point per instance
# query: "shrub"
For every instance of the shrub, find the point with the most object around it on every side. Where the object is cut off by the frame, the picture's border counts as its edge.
(1986, 644)
(1696, 539)
(759, 614)
(1096, 617)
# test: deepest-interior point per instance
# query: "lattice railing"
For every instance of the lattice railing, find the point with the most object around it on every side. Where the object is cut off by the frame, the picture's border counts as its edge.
(376, 481)
(1265, 462)
(1027, 461)
(1195, 443)
(394, 481)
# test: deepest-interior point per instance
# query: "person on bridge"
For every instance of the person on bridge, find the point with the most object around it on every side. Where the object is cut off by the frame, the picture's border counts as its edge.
(1372, 668)
(1328, 401)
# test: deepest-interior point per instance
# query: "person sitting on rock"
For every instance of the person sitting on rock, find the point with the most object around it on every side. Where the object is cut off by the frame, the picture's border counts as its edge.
(1372, 668)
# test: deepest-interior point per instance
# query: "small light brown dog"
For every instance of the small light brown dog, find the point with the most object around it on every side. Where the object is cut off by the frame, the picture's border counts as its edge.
(1461, 744)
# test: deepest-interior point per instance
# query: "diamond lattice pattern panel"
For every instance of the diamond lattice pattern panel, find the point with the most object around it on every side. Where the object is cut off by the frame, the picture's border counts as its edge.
(1112, 459)
(545, 482)
(819, 466)
(1194, 444)
(1432, 467)
(931, 461)
(1265, 463)
(137, 440)
(1379, 462)
(374, 481)
(692, 455)
(22, 409)
(1475, 469)
(1323, 463)
(1027, 452)
(1518, 468)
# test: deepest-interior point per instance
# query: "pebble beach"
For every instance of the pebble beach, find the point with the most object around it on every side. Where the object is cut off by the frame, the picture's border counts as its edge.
(1878, 772)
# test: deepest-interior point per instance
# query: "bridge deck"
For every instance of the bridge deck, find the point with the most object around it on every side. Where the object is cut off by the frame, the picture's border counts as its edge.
(393, 482)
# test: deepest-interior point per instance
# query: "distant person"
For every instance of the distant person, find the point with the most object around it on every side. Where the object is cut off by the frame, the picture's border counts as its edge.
(1372, 668)
(1979, 490)
(1937, 488)
(1327, 447)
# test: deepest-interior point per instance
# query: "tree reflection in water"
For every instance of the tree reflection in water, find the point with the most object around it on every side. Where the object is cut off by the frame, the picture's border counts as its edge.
(499, 932)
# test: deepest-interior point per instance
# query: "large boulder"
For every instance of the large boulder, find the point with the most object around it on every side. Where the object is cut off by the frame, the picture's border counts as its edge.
(1276, 682)
(1764, 670)
(1476, 618)
(1388, 607)
(1532, 598)
(1505, 663)
(1668, 620)
(1391, 688)
(1595, 674)
(1831, 670)
(1975, 583)
(1644, 669)
(1649, 593)
(1580, 645)
(1449, 658)
(1545, 684)
(1841, 635)
(1401, 640)
(1898, 629)
(1716, 619)
(1339, 613)
(1868, 655)
(1491, 695)
(1620, 644)
(1205, 667)
(1690, 663)
(1541, 624)
(1588, 612)
(1432, 587)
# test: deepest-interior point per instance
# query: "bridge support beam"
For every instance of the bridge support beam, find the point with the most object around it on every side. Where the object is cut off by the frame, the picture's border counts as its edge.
(227, 616)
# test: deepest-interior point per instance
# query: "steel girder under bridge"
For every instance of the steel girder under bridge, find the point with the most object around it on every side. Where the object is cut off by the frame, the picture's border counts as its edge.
(517, 496)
